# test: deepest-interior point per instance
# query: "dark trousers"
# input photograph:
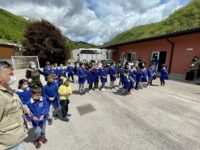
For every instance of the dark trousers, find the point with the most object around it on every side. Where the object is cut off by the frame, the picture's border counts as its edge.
(162, 82)
(90, 86)
(96, 85)
(71, 75)
(64, 107)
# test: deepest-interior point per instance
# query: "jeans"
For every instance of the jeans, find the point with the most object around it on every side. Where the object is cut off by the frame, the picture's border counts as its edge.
(52, 111)
(17, 147)
(39, 131)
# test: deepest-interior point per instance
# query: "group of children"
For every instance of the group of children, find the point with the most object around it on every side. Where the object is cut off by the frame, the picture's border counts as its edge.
(44, 104)
(131, 76)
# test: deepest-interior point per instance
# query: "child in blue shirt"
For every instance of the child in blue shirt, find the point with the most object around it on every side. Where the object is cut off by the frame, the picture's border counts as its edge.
(81, 78)
(39, 108)
(70, 72)
(163, 75)
(24, 91)
(151, 74)
(50, 92)
(121, 74)
(138, 78)
(103, 75)
(132, 76)
(144, 77)
(75, 72)
(96, 77)
(90, 78)
(126, 83)
(113, 72)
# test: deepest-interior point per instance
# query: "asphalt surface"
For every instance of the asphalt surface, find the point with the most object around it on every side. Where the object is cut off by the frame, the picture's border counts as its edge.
(154, 118)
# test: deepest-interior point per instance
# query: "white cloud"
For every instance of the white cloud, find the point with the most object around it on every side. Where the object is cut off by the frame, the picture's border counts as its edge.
(91, 20)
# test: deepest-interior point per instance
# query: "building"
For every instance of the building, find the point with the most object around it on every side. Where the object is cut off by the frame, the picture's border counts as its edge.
(8, 50)
(88, 54)
(176, 50)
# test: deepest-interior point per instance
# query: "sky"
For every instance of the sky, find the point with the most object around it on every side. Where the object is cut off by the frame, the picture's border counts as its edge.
(94, 21)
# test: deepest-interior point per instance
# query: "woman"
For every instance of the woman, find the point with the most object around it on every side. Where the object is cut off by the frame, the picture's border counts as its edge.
(33, 75)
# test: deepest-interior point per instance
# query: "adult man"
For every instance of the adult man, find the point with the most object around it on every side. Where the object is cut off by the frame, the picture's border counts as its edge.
(12, 129)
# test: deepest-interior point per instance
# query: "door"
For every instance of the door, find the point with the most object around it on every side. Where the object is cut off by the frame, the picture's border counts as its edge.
(162, 59)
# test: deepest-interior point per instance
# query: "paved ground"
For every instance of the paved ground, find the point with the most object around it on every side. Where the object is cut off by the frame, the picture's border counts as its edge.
(155, 118)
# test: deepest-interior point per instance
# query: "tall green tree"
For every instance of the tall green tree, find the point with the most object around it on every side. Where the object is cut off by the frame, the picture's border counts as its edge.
(46, 41)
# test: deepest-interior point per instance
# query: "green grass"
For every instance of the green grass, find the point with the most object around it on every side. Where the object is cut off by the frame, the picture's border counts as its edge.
(12, 27)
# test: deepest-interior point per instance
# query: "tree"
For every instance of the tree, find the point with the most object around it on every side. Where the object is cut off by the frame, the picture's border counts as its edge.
(44, 40)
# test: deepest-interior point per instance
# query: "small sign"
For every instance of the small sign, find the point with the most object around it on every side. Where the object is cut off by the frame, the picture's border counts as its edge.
(189, 49)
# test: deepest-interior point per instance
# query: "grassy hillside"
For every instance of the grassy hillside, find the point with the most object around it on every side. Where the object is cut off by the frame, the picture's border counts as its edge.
(75, 45)
(12, 29)
(186, 17)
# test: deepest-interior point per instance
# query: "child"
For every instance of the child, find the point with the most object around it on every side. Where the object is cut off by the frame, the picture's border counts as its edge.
(24, 92)
(132, 76)
(163, 75)
(61, 70)
(96, 78)
(126, 83)
(103, 74)
(144, 77)
(121, 74)
(50, 92)
(70, 71)
(47, 70)
(113, 72)
(138, 78)
(81, 78)
(150, 74)
(90, 78)
(39, 108)
(65, 91)
(75, 72)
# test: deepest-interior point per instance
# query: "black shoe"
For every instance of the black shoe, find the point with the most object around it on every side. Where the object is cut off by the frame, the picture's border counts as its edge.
(69, 115)
(55, 116)
(50, 121)
(66, 119)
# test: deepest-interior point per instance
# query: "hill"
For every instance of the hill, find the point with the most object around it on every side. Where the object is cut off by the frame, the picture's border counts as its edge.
(12, 29)
(184, 18)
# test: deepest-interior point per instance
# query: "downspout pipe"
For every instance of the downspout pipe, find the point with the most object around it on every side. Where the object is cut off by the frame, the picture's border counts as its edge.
(172, 53)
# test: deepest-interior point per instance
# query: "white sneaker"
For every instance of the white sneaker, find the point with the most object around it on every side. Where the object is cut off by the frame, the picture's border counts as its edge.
(102, 89)
(90, 91)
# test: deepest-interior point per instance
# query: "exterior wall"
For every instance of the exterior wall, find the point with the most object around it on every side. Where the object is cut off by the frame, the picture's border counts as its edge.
(6, 52)
(144, 50)
(182, 58)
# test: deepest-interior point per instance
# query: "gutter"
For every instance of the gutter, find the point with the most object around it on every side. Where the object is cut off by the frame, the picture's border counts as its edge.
(172, 53)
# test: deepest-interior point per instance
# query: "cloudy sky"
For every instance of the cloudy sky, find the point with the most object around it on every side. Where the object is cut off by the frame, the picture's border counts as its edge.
(94, 21)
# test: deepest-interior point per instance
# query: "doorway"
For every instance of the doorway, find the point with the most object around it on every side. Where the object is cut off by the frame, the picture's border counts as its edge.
(158, 58)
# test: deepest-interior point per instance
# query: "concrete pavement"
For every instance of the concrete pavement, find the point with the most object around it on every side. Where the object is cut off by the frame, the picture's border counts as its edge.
(155, 118)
